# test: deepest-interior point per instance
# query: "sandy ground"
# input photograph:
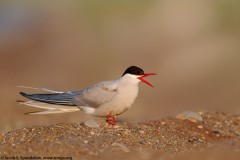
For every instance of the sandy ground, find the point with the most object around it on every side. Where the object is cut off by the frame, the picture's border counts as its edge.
(217, 135)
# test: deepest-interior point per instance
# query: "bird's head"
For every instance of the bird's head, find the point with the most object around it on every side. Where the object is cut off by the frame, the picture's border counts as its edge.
(137, 74)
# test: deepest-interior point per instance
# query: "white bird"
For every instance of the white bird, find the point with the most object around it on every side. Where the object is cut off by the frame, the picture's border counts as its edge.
(105, 99)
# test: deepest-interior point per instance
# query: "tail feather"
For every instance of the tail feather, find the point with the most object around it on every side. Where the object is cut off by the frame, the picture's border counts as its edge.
(53, 98)
(41, 89)
(52, 111)
(49, 108)
(53, 102)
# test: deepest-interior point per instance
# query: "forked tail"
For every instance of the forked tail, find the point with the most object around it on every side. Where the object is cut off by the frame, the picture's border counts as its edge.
(53, 102)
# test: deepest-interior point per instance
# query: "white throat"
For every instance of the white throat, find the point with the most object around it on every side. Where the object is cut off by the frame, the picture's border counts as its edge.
(129, 79)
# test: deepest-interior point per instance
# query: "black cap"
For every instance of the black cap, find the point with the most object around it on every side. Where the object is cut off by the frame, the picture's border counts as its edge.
(134, 70)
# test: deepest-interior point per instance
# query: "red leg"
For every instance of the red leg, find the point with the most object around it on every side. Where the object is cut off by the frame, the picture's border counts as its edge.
(108, 118)
(114, 119)
(111, 121)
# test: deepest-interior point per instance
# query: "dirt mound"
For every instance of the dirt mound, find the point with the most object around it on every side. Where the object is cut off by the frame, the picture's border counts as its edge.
(89, 140)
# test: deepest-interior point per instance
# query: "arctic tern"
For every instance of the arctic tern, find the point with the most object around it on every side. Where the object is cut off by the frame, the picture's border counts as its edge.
(104, 99)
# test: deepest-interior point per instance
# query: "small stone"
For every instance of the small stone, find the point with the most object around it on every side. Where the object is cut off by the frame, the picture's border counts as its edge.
(85, 141)
(92, 132)
(142, 132)
(210, 145)
(215, 132)
(175, 142)
(193, 139)
(200, 140)
(200, 126)
(91, 124)
(163, 123)
(192, 116)
(234, 132)
(92, 153)
(122, 146)
(126, 132)
(116, 126)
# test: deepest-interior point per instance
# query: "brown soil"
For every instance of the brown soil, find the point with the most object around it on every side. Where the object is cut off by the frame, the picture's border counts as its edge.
(164, 138)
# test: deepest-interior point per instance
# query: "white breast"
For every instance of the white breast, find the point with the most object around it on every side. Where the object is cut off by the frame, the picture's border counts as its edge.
(126, 94)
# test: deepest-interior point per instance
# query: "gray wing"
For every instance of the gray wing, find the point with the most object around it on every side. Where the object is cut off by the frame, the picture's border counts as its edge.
(92, 97)
(97, 95)
(54, 98)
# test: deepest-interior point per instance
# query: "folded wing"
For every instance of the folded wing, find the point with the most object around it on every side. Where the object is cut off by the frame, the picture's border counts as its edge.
(91, 97)
(53, 98)
(97, 95)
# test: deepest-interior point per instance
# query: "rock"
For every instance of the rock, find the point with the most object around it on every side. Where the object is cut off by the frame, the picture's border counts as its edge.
(122, 146)
(200, 126)
(192, 116)
(216, 132)
(91, 124)
(92, 133)
(163, 123)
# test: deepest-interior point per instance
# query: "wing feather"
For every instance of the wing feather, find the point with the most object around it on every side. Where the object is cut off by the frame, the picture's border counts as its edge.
(55, 98)
(92, 97)
(97, 95)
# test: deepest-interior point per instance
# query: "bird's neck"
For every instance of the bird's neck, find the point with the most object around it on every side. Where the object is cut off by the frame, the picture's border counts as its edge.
(128, 81)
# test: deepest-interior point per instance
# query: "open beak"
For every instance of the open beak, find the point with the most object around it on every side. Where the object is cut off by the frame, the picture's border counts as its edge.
(146, 75)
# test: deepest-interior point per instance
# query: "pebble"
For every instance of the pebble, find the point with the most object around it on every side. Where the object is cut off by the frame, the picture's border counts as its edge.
(116, 126)
(122, 146)
(91, 124)
(192, 139)
(192, 116)
(200, 140)
(163, 123)
(194, 145)
(126, 132)
(200, 126)
(215, 132)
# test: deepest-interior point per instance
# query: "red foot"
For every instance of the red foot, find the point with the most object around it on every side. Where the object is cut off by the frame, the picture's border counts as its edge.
(111, 120)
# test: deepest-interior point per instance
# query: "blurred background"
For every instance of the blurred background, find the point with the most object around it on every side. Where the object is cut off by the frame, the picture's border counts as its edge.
(192, 45)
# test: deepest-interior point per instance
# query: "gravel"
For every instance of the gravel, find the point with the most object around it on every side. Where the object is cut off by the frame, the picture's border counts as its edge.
(167, 138)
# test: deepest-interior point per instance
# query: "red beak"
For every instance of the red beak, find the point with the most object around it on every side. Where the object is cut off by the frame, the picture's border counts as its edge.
(146, 75)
